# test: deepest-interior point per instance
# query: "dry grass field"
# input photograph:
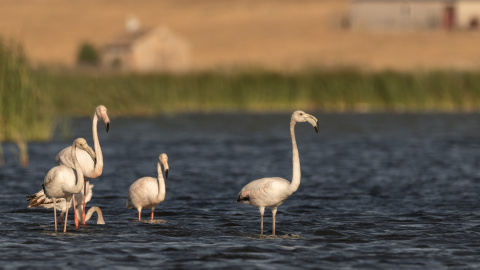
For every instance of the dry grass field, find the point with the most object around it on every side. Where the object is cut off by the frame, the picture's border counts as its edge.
(272, 34)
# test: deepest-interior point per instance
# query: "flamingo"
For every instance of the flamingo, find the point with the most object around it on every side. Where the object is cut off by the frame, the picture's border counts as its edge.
(91, 163)
(60, 181)
(40, 200)
(273, 191)
(147, 192)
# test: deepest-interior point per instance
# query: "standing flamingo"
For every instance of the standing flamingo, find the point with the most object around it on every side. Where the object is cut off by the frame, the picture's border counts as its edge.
(147, 192)
(273, 191)
(90, 163)
(40, 200)
(60, 181)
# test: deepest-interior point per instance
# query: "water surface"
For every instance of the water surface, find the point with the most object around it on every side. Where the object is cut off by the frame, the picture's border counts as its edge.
(377, 192)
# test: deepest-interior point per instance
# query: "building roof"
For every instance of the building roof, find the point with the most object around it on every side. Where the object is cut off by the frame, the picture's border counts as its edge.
(127, 39)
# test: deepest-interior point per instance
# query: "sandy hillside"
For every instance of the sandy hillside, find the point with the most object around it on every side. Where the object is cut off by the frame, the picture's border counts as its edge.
(276, 34)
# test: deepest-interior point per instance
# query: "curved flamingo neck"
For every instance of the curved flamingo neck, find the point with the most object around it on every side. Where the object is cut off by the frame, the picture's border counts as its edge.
(80, 180)
(92, 210)
(295, 160)
(161, 184)
(98, 150)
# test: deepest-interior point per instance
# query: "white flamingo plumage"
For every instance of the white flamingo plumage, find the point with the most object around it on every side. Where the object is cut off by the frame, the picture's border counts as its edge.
(273, 191)
(91, 163)
(60, 181)
(40, 200)
(148, 192)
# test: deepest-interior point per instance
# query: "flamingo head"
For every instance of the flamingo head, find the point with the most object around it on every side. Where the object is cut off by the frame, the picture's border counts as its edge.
(300, 116)
(163, 159)
(81, 143)
(101, 112)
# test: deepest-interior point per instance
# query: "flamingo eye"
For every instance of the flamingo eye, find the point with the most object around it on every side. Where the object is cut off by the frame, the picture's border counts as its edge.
(301, 113)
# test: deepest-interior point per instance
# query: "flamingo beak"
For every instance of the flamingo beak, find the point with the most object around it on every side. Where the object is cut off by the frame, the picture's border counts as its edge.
(313, 121)
(91, 153)
(165, 165)
(106, 120)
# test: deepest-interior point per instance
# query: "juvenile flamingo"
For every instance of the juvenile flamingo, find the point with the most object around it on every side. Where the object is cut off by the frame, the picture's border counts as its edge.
(147, 192)
(273, 191)
(60, 181)
(91, 163)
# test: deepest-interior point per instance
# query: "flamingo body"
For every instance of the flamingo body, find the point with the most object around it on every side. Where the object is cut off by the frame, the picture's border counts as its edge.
(265, 192)
(60, 182)
(143, 193)
(87, 164)
(40, 200)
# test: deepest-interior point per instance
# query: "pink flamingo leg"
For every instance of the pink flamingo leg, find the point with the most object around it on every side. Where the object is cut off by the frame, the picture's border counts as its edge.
(139, 216)
(75, 213)
(152, 215)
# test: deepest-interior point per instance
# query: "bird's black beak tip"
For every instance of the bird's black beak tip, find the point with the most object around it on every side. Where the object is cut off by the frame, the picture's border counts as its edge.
(166, 174)
(107, 126)
(316, 128)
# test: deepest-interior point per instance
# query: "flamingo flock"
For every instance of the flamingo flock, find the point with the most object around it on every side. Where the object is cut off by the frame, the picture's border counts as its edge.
(66, 185)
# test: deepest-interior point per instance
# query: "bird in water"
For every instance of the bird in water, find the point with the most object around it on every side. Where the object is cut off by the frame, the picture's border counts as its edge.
(40, 200)
(147, 192)
(91, 163)
(273, 191)
(60, 181)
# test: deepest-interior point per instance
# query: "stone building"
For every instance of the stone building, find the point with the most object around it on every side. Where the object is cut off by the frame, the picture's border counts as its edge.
(415, 14)
(155, 49)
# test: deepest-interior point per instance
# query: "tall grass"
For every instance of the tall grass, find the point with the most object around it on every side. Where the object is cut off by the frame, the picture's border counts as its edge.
(25, 111)
(263, 91)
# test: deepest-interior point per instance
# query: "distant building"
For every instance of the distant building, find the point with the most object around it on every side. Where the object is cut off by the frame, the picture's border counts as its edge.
(414, 14)
(154, 49)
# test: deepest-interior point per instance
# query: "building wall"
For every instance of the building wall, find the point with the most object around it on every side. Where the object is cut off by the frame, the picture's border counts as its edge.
(387, 15)
(172, 52)
(143, 54)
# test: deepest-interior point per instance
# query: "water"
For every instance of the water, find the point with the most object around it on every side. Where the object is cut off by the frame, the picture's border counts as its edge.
(377, 192)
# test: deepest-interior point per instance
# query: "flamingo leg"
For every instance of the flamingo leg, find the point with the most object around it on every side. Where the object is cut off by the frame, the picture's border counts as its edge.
(262, 210)
(274, 213)
(152, 213)
(75, 213)
(139, 214)
(84, 196)
(55, 212)
(66, 215)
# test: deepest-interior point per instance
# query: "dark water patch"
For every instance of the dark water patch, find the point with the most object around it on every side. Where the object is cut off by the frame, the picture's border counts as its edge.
(328, 233)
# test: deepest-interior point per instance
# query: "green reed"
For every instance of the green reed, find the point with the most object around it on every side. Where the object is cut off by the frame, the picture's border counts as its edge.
(25, 111)
(262, 91)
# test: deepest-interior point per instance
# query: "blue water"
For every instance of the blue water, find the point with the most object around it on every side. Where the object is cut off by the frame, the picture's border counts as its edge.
(378, 191)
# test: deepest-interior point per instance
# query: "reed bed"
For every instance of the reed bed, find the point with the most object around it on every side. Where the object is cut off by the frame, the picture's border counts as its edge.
(25, 111)
(32, 100)
(75, 94)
